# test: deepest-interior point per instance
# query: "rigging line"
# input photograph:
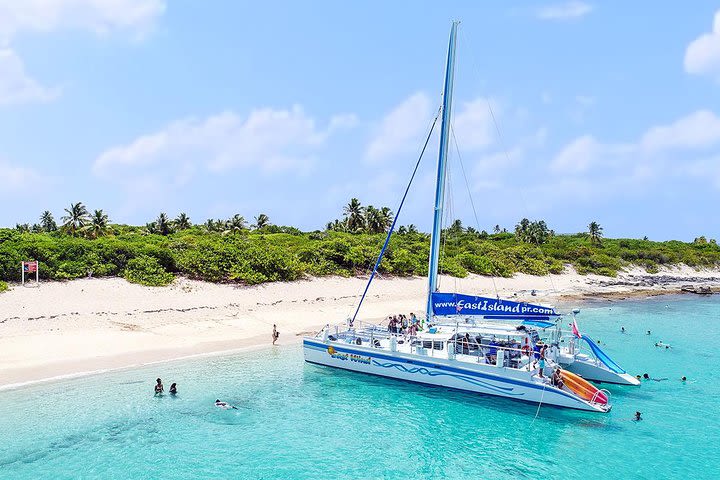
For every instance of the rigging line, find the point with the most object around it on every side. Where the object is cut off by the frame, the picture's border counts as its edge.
(430, 126)
(392, 227)
(504, 147)
(472, 204)
(454, 237)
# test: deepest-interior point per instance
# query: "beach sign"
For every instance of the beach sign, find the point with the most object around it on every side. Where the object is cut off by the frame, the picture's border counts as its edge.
(29, 268)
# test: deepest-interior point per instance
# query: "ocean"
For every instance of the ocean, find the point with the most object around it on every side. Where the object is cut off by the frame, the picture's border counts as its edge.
(297, 421)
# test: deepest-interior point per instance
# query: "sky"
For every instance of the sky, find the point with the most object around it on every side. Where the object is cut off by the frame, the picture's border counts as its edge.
(570, 112)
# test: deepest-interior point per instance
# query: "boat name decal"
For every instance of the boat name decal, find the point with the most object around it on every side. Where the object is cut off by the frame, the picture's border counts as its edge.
(352, 357)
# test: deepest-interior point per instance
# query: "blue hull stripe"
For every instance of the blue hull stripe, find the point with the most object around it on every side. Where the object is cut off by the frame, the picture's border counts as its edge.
(322, 347)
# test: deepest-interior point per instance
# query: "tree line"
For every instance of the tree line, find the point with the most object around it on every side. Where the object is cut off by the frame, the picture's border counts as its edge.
(235, 250)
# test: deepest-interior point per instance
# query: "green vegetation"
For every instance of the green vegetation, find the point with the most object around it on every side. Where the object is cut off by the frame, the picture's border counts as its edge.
(3, 286)
(230, 251)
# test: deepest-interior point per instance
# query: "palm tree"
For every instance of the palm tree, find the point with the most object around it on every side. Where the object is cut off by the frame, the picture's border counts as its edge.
(521, 230)
(412, 228)
(98, 224)
(235, 224)
(163, 226)
(456, 228)
(386, 217)
(336, 226)
(595, 233)
(261, 221)
(182, 222)
(22, 227)
(76, 218)
(47, 222)
(496, 230)
(209, 225)
(373, 220)
(354, 219)
(36, 228)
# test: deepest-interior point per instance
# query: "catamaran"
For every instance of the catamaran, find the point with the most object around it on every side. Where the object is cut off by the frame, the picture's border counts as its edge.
(477, 344)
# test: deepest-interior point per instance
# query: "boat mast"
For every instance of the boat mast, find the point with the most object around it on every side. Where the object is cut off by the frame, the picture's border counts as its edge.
(440, 181)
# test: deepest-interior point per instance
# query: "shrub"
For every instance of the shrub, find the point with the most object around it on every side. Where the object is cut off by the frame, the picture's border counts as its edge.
(3, 286)
(147, 271)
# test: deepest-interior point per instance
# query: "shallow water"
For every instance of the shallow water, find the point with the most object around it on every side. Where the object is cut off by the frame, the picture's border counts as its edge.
(303, 421)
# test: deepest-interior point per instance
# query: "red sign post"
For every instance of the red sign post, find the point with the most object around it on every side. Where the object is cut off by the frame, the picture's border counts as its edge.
(30, 267)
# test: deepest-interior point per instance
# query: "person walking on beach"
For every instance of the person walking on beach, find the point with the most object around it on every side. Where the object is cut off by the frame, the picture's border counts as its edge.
(159, 387)
(275, 334)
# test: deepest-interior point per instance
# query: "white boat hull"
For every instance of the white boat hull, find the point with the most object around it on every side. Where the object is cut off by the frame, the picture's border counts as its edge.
(590, 370)
(477, 378)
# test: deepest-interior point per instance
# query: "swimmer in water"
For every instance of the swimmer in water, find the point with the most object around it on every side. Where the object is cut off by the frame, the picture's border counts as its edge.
(173, 389)
(159, 387)
(646, 376)
(224, 405)
(638, 416)
(622, 329)
(683, 378)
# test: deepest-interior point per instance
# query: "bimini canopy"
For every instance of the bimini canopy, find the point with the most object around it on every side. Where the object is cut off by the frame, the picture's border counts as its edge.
(490, 308)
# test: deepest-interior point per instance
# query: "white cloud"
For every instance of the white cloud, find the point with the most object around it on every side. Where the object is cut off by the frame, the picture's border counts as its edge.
(474, 125)
(43, 16)
(661, 150)
(16, 86)
(578, 155)
(404, 128)
(98, 16)
(16, 178)
(267, 139)
(700, 129)
(564, 11)
(401, 130)
(702, 56)
(343, 121)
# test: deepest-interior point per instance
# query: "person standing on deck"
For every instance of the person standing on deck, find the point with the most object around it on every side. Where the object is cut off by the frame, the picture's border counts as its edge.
(541, 363)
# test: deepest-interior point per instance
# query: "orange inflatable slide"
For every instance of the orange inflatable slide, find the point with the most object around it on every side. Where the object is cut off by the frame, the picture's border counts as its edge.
(583, 388)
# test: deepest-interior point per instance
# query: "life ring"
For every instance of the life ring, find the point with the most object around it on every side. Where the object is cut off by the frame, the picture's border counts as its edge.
(526, 348)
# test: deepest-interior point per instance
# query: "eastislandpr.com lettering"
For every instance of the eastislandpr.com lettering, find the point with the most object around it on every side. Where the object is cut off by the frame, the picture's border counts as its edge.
(495, 306)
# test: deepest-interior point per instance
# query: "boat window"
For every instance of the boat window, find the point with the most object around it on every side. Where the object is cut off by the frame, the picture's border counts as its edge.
(438, 345)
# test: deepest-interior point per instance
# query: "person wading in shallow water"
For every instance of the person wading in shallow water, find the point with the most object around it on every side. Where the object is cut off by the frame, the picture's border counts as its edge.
(275, 334)
(159, 387)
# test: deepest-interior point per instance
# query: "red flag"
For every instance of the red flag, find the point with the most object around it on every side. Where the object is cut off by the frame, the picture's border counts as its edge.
(575, 330)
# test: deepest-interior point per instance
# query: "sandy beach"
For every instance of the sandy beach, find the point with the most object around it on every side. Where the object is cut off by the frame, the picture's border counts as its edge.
(89, 325)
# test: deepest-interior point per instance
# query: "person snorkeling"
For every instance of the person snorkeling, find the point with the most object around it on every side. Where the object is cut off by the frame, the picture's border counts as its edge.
(224, 405)
(638, 416)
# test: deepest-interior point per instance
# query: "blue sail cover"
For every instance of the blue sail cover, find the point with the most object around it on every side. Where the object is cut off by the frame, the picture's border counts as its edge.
(459, 304)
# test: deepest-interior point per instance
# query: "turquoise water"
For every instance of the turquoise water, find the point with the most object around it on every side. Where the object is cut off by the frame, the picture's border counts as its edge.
(302, 421)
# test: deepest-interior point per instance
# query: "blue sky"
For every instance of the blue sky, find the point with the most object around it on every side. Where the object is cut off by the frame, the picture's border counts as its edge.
(607, 111)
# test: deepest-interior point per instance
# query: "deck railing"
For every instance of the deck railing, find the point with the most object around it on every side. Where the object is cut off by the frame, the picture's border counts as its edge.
(378, 336)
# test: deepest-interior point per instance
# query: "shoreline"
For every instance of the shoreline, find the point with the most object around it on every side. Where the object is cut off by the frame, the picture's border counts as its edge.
(90, 326)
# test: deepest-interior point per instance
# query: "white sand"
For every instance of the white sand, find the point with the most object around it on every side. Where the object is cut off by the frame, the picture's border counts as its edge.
(87, 325)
